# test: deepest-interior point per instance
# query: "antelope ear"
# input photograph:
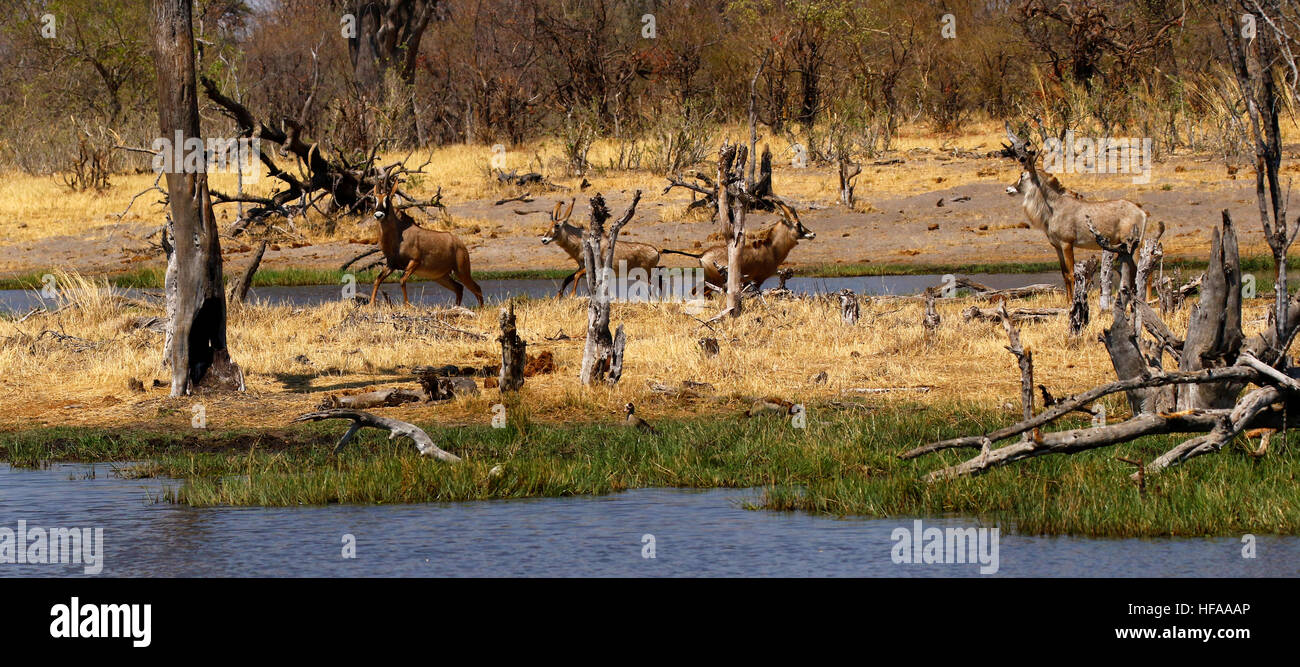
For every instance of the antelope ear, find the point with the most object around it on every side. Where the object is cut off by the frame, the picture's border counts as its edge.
(570, 211)
(555, 213)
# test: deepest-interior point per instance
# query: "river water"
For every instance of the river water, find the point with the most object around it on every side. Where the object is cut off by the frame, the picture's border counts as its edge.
(696, 534)
(427, 293)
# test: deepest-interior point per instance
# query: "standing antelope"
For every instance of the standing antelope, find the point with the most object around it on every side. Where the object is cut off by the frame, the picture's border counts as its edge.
(763, 251)
(425, 252)
(1064, 215)
(569, 237)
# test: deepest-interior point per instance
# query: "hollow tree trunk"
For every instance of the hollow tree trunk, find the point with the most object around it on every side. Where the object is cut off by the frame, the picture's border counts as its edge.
(1214, 330)
(196, 301)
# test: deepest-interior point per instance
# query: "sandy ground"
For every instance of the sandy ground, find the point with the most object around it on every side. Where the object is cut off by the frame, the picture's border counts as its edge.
(989, 227)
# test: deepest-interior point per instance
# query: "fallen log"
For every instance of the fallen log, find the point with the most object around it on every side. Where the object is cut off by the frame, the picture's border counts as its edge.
(1015, 314)
(395, 427)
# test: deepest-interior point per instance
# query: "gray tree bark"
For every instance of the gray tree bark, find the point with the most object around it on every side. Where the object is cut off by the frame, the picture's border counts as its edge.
(196, 301)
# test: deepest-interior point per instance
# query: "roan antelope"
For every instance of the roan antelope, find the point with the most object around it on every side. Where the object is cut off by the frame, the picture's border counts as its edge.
(1064, 215)
(569, 237)
(425, 252)
(763, 253)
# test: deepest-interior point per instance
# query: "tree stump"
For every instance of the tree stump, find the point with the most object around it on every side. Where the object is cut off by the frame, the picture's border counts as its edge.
(931, 320)
(849, 308)
(513, 352)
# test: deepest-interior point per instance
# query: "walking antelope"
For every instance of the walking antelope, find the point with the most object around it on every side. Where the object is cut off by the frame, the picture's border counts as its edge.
(419, 251)
(763, 253)
(569, 237)
(1064, 215)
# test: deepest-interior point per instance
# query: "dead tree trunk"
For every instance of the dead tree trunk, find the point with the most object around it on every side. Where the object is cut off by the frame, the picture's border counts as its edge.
(514, 352)
(602, 356)
(1106, 280)
(731, 218)
(1079, 315)
(848, 171)
(196, 300)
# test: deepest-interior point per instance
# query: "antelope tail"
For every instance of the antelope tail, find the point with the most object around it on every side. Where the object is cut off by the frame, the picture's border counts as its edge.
(666, 251)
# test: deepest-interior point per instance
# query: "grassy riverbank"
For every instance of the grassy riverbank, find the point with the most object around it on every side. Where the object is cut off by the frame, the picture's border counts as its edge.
(843, 463)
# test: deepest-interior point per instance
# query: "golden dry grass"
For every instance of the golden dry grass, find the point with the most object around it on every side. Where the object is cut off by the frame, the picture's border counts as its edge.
(776, 348)
(37, 207)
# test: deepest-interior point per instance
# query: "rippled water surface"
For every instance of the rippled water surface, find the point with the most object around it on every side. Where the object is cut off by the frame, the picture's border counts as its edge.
(696, 533)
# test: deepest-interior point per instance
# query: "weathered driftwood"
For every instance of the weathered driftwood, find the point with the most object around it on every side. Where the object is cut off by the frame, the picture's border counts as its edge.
(1016, 314)
(602, 352)
(1024, 359)
(1203, 396)
(395, 427)
(374, 399)
(513, 352)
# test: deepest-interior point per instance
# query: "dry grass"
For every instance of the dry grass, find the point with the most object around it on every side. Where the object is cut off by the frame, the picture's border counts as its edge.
(293, 357)
(37, 207)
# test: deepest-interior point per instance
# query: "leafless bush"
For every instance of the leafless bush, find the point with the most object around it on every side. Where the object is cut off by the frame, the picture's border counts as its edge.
(683, 139)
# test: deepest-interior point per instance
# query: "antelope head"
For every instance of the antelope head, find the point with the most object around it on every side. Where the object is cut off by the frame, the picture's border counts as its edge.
(1021, 185)
(791, 219)
(558, 217)
(1024, 153)
(384, 208)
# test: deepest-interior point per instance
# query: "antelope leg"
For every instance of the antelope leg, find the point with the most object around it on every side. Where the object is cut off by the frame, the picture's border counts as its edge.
(383, 273)
(410, 269)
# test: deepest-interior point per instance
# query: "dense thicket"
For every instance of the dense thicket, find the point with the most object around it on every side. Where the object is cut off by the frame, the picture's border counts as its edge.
(841, 74)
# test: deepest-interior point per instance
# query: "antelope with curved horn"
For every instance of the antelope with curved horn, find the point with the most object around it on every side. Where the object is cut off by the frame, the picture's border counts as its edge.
(569, 237)
(1064, 215)
(763, 253)
(418, 251)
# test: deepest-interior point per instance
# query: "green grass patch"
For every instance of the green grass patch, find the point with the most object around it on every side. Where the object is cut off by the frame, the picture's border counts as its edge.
(842, 464)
